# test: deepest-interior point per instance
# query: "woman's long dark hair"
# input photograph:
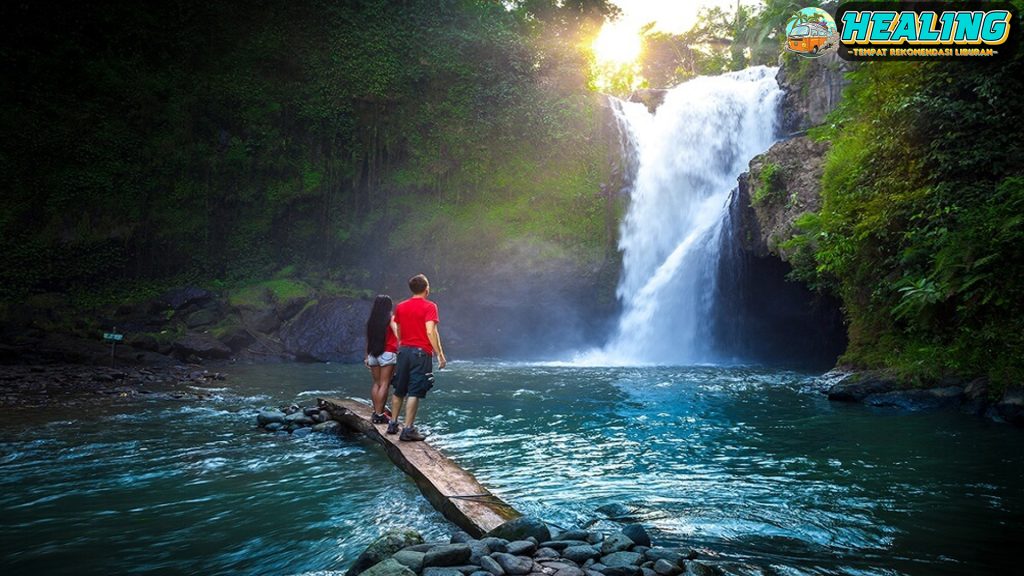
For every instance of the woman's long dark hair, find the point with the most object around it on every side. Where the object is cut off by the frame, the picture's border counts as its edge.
(378, 325)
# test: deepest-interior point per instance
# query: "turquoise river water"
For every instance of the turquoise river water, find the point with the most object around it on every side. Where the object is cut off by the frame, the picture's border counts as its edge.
(751, 464)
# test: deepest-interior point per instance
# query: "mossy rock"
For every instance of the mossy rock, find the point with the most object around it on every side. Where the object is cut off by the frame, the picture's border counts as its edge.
(383, 547)
(287, 296)
(232, 334)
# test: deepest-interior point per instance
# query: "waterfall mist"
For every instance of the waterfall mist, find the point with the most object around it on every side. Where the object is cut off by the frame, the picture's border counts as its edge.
(688, 155)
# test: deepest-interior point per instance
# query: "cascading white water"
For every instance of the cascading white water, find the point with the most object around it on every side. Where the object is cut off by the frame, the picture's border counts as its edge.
(689, 154)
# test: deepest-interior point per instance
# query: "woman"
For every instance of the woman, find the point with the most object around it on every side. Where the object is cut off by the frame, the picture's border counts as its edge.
(381, 354)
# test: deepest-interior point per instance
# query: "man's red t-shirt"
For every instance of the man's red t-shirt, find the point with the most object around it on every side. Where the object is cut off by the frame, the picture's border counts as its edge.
(412, 316)
(391, 341)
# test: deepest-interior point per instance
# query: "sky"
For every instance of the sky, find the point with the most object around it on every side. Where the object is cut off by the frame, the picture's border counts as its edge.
(673, 16)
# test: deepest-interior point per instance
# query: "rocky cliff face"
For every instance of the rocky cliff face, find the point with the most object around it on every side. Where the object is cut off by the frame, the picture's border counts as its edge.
(813, 89)
(764, 315)
(782, 184)
(785, 181)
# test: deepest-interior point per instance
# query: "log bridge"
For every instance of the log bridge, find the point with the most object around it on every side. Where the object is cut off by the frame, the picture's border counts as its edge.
(454, 492)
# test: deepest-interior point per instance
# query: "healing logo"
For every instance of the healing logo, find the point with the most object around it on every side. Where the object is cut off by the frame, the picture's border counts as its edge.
(927, 30)
(811, 32)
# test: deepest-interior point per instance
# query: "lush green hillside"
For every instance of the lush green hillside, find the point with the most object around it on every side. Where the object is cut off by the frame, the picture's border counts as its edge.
(921, 231)
(218, 142)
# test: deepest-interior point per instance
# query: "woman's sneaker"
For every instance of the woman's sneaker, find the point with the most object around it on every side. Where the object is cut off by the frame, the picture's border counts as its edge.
(392, 427)
(380, 418)
(411, 435)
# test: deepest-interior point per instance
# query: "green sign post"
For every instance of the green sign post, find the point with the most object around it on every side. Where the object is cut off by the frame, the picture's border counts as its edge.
(113, 337)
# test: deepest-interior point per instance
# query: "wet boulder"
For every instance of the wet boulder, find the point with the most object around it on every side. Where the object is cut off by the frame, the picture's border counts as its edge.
(927, 399)
(328, 330)
(513, 565)
(382, 548)
(263, 320)
(266, 417)
(522, 528)
(447, 555)
(1011, 406)
(857, 388)
(201, 345)
(388, 567)
(638, 534)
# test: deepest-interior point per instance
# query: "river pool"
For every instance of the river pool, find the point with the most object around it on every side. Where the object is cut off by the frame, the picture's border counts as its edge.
(750, 463)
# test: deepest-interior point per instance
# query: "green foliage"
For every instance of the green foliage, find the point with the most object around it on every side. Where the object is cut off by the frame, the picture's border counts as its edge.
(769, 185)
(922, 224)
(279, 290)
(214, 143)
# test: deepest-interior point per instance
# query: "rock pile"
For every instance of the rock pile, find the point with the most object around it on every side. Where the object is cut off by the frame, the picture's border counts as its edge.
(31, 385)
(525, 547)
(974, 397)
(295, 420)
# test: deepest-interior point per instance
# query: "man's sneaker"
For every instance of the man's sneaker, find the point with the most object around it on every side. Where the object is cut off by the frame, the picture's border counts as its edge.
(393, 427)
(380, 418)
(411, 435)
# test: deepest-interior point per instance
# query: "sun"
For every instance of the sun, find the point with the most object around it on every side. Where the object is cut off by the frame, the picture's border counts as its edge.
(617, 44)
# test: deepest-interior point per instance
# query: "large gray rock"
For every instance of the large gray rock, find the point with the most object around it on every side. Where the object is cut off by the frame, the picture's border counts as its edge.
(201, 345)
(666, 568)
(477, 551)
(413, 560)
(330, 330)
(581, 553)
(447, 555)
(569, 571)
(576, 534)
(563, 544)
(672, 556)
(976, 397)
(522, 528)
(263, 320)
(300, 418)
(522, 548)
(329, 426)
(495, 544)
(269, 417)
(857, 388)
(491, 565)
(388, 567)
(441, 571)
(637, 534)
(201, 318)
(622, 571)
(622, 559)
(700, 569)
(545, 553)
(558, 564)
(383, 547)
(513, 565)
(424, 546)
(616, 543)
(1011, 406)
(928, 399)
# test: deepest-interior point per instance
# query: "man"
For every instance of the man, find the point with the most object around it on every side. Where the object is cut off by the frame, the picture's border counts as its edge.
(418, 339)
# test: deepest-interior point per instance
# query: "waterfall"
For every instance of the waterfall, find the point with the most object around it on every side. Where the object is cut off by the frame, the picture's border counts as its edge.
(688, 155)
